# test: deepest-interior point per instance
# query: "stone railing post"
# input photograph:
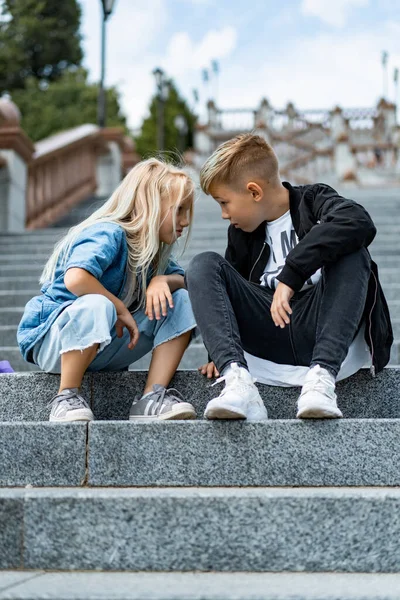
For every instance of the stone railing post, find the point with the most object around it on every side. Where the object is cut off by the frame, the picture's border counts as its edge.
(212, 115)
(109, 167)
(16, 151)
(345, 160)
(339, 125)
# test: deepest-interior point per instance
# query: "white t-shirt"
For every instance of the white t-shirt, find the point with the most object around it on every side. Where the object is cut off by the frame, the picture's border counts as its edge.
(281, 237)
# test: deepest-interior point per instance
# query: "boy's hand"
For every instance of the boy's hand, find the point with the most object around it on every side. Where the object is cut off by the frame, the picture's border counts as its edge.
(210, 370)
(125, 319)
(158, 298)
(280, 308)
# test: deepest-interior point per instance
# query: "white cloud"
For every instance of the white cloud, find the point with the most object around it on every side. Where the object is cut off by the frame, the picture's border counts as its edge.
(332, 12)
(320, 72)
(183, 54)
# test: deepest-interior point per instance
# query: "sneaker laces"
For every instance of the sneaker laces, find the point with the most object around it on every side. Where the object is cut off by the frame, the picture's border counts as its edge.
(319, 380)
(161, 397)
(74, 399)
(234, 378)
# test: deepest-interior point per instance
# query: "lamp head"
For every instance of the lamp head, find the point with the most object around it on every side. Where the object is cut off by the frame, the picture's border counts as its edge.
(158, 74)
(108, 6)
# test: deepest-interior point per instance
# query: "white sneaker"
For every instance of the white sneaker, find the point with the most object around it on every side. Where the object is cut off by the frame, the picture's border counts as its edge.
(240, 399)
(318, 399)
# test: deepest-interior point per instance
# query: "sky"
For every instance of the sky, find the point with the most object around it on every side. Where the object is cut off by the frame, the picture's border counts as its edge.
(315, 53)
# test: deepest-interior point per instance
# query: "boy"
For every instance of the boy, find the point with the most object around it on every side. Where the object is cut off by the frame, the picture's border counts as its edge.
(297, 295)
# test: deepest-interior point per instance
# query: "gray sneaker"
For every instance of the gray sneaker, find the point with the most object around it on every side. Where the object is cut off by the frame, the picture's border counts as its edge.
(69, 405)
(161, 404)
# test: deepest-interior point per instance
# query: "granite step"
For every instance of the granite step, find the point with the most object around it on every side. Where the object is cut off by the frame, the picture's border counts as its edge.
(275, 453)
(17, 283)
(204, 529)
(40, 585)
(11, 315)
(24, 396)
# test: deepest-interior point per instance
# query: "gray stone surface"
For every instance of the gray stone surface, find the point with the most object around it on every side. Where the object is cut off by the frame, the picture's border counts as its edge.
(221, 529)
(360, 396)
(42, 454)
(203, 586)
(11, 315)
(275, 453)
(16, 283)
(16, 297)
(11, 530)
(11, 580)
(25, 396)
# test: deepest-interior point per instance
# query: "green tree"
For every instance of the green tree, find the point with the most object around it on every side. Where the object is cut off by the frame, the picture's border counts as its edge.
(38, 38)
(174, 105)
(66, 103)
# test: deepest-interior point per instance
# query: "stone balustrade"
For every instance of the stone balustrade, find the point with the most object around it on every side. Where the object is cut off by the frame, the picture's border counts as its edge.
(40, 183)
(339, 144)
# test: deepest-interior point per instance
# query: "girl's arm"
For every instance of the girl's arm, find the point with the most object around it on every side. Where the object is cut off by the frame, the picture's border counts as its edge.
(175, 281)
(79, 282)
(159, 294)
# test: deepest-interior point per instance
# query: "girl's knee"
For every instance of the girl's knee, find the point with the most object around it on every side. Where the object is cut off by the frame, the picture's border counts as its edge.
(92, 308)
(180, 297)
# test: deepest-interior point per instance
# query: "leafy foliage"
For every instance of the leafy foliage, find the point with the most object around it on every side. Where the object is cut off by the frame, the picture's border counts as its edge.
(66, 103)
(174, 105)
(38, 38)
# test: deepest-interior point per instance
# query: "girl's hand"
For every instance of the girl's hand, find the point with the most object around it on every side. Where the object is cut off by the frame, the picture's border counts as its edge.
(125, 319)
(210, 370)
(158, 298)
(280, 308)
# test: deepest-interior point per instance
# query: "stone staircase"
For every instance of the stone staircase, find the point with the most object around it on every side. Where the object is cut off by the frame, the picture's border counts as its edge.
(197, 510)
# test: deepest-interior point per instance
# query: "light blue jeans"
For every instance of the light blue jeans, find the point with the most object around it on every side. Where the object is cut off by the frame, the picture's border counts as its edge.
(90, 319)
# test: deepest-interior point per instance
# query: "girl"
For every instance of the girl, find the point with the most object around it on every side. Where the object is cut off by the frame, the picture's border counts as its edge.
(111, 293)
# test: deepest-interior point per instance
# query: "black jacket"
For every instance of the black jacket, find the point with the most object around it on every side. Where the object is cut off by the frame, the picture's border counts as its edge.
(328, 226)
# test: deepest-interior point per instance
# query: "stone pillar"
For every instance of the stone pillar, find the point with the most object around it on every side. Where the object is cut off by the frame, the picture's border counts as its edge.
(291, 114)
(212, 114)
(109, 168)
(385, 123)
(345, 160)
(16, 151)
(339, 126)
(263, 119)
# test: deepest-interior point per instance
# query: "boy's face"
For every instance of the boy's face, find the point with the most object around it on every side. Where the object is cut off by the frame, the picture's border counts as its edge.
(241, 206)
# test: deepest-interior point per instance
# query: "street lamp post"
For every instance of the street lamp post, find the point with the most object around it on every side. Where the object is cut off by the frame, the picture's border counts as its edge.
(162, 85)
(181, 124)
(108, 6)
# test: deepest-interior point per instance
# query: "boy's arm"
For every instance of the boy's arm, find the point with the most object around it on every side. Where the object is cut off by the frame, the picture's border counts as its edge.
(344, 227)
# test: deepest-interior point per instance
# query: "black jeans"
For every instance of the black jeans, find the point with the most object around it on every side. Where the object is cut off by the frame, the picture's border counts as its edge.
(234, 315)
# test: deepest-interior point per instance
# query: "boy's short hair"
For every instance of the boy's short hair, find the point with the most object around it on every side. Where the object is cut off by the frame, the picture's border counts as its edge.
(244, 155)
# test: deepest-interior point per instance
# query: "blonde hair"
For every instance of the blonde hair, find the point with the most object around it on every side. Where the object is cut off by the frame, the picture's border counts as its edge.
(244, 155)
(136, 207)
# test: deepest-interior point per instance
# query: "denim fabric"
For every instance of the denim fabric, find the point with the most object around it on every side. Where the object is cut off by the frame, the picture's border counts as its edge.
(100, 249)
(233, 314)
(91, 318)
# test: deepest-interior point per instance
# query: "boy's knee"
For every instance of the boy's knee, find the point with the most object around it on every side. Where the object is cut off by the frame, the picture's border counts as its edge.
(202, 265)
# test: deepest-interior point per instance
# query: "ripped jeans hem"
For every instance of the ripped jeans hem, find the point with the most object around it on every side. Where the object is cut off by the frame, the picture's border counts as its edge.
(102, 344)
(176, 335)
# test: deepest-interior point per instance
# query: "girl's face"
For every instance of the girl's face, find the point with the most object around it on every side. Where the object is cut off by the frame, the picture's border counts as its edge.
(167, 234)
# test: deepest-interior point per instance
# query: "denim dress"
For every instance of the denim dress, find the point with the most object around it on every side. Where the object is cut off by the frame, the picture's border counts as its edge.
(57, 321)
